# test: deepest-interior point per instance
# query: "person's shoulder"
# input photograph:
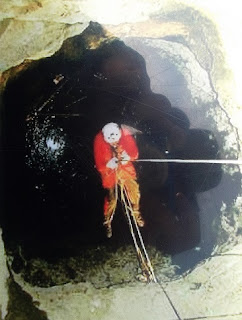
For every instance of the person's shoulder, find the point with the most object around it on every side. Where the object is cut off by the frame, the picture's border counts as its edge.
(126, 132)
(99, 136)
(99, 140)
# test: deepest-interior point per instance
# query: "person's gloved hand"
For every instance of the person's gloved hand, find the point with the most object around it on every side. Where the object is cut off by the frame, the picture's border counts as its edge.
(113, 163)
(124, 157)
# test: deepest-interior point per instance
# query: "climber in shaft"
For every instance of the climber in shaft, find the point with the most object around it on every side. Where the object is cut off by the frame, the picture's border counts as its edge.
(114, 150)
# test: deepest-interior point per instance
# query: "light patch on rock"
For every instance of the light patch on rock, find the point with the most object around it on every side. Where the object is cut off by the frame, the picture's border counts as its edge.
(230, 139)
(126, 302)
(4, 274)
(196, 294)
(231, 170)
(212, 289)
(228, 229)
(184, 60)
(238, 204)
(199, 293)
(34, 40)
(148, 29)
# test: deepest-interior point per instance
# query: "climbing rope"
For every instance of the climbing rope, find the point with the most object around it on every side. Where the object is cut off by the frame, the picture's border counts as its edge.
(144, 260)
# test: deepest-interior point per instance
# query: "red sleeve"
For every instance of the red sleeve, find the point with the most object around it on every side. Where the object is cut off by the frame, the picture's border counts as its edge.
(102, 153)
(129, 144)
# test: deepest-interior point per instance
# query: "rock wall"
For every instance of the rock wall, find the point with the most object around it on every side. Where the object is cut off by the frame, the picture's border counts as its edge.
(196, 41)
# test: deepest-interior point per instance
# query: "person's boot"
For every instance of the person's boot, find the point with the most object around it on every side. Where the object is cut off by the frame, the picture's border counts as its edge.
(138, 218)
(108, 226)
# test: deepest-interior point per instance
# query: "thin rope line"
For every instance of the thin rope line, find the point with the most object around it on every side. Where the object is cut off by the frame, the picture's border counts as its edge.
(123, 198)
(171, 303)
(127, 209)
(140, 238)
(116, 197)
(129, 220)
(163, 289)
(151, 268)
(235, 162)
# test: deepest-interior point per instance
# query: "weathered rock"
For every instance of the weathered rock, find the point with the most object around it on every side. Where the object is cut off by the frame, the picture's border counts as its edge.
(63, 102)
(197, 294)
(4, 275)
(32, 40)
(196, 56)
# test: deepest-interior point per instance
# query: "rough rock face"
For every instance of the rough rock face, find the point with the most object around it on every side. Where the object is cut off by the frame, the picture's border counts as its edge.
(63, 101)
(49, 100)
(194, 295)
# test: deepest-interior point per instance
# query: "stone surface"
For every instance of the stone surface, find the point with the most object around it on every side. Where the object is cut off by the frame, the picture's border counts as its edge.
(195, 295)
(4, 275)
(204, 35)
(84, 302)
(32, 39)
(212, 289)
(180, 74)
(55, 125)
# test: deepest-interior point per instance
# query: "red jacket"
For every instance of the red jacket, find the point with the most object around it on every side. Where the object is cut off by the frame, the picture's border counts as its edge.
(103, 153)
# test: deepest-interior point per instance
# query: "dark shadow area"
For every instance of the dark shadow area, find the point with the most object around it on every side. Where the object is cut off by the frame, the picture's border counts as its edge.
(53, 197)
(21, 305)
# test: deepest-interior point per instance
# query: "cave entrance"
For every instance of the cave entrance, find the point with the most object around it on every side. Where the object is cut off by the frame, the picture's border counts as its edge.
(54, 108)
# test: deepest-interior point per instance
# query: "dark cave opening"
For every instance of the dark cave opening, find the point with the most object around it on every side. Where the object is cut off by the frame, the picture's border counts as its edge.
(53, 197)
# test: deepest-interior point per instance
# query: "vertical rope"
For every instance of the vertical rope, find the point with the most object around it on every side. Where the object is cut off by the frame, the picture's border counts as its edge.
(129, 220)
(139, 253)
(116, 196)
(141, 239)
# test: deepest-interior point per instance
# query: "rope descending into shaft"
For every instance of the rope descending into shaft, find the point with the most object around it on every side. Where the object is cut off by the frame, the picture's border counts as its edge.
(116, 201)
(145, 263)
(142, 254)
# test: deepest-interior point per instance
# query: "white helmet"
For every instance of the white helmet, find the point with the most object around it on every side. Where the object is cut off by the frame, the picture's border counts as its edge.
(111, 132)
